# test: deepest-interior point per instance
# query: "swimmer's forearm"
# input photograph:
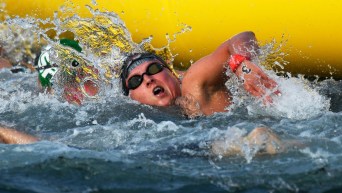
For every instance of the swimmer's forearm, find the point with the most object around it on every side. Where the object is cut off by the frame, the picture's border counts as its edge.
(11, 136)
(244, 43)
(222, 148)
(262, 139)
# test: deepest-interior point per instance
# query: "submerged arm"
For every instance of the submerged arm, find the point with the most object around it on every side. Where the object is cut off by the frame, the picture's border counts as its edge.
(11, 136)
(261, 140)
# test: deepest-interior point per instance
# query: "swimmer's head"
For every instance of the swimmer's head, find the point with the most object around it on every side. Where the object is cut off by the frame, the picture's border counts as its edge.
(65, 66)
(133, 61)
(149, 80)
(46, 69)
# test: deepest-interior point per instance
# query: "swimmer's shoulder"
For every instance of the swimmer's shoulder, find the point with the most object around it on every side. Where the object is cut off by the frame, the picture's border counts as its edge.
(195, 78)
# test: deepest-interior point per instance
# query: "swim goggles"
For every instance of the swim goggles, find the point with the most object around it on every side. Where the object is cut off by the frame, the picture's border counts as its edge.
(136, 80)
(131, 62)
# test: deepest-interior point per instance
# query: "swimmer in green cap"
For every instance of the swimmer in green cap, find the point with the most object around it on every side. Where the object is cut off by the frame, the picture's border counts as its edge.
(46, 70)
(77, 78)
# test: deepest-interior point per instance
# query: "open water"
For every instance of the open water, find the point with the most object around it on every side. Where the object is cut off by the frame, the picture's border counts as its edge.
(113, 144)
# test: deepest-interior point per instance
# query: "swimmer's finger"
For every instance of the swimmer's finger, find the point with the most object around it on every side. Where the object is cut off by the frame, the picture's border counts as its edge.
(269, 82)
(261, 94)
(272, 86)
(267, 100)
(264, 94)
(260, 87)
(258, 90)
(251, 90)
(256, 85)
(277, 92)
(272, 91)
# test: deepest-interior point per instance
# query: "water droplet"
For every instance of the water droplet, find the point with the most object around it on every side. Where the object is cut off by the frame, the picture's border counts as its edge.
(94, 2)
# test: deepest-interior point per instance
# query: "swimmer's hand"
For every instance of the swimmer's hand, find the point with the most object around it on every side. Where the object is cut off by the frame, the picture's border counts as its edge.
(257, 82)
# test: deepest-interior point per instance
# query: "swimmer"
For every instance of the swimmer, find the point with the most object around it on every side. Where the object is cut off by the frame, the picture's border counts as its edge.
(147, 79)
(77, 71)
(76, 76)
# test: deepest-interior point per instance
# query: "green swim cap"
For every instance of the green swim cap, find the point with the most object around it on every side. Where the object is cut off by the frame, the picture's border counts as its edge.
(71, 43)
(47, 70)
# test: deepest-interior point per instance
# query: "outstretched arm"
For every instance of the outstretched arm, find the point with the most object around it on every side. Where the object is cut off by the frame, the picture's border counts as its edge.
(11, 136)
(205, 79)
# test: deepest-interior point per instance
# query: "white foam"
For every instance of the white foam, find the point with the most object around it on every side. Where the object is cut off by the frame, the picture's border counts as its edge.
(297, 101)
(166, 126)
(141, 120)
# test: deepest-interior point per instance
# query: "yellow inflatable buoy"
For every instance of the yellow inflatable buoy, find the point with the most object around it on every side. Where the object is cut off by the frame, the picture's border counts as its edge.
(310, 27)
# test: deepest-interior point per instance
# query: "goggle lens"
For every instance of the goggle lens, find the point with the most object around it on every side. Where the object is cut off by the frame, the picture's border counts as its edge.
(136, 80)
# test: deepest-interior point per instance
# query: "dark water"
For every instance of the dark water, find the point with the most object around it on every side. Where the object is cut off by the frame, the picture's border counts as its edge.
(116, 145)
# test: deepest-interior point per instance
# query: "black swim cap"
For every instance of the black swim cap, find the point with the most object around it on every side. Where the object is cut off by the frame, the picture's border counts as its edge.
(133, 61)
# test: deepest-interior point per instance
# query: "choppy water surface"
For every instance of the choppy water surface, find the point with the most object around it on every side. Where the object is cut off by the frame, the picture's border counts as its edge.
(113, 144)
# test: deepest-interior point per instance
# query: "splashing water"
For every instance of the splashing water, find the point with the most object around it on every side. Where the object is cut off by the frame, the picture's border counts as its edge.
(103, 37)
(113, 144)
(298, 100)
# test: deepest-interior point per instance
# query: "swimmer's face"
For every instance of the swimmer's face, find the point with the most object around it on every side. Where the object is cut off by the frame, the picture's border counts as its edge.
(160, 89)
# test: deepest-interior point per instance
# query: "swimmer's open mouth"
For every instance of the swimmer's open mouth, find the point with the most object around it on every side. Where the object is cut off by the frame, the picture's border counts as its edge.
(158, 90)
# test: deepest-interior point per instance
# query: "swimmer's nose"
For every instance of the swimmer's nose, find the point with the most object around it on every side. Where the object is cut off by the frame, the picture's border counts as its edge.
(148, 80)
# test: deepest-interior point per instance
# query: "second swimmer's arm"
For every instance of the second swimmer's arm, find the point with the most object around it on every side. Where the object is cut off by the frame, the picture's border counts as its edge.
(11, 136)
(264, 140)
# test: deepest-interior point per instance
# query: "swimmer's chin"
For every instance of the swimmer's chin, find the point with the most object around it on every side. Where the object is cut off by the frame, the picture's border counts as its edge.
(168, 103)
